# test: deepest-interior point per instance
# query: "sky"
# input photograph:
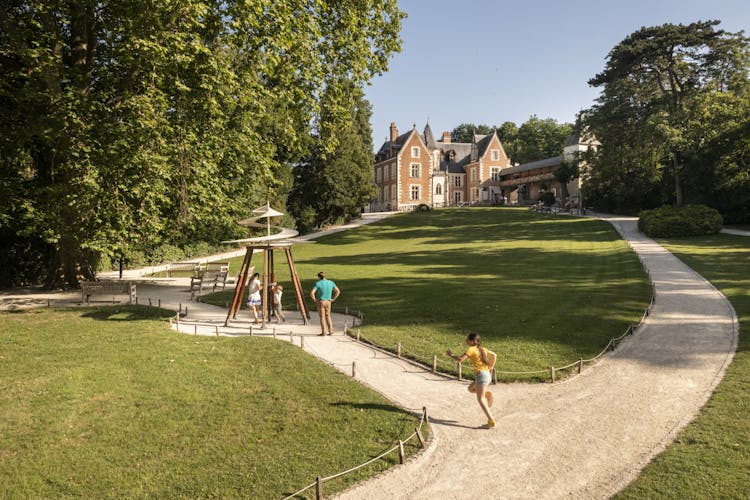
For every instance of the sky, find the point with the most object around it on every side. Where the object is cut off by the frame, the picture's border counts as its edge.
(492, 61)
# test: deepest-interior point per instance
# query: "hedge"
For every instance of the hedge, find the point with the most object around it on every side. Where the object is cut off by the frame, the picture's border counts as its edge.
(689, 220)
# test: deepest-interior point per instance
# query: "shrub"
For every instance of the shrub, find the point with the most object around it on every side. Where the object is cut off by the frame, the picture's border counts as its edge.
(690, 220)
(422, 207)
(548, 198)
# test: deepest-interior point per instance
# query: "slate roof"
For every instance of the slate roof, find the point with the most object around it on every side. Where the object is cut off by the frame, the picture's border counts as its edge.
(547, 162)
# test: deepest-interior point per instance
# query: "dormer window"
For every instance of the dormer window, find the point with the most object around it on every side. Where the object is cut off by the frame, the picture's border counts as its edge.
(415, 152)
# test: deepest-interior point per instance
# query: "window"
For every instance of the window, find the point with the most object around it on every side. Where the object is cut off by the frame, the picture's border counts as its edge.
(495, 174)
(415, 152)
(473, 175)
(414, 170)
(414, 192)
(438, 189)
(495, 155)
(393, 171)
(457, 197)
(457, 181)
(394, 193)
(476, 194)
(378, 174)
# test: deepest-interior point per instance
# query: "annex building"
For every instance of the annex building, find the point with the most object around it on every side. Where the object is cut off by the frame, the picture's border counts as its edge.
(413, 169)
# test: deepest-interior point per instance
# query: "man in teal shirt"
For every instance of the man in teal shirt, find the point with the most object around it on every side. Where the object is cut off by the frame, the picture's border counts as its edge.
(323, 293)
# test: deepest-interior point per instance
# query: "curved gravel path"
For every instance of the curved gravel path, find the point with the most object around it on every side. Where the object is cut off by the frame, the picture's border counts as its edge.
(586, 437)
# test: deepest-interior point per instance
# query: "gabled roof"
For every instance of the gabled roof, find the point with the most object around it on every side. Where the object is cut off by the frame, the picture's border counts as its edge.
(429, 137)
(547, 162)
(396, 145)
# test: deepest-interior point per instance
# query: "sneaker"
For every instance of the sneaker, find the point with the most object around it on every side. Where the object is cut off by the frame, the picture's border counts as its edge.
(490, 424)
(490, 398)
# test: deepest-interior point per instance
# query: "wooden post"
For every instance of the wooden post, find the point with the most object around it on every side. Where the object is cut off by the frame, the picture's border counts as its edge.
(434, 364)
(217, 330)
(398, 349)
(180, 308)
(400, 452)
(459, 372)
(160, 302)
(274, 333)
(291, 338)
(552, 373)
(318, 488)
(48, 302)
(346, 310)
(580, 365)
(358, 334)
(251, 330)
(149, 302)
(419, 436)
(302, 342)
(195, 329)
(186, 311)
(424, 414)
(494, 376)
(354, 368)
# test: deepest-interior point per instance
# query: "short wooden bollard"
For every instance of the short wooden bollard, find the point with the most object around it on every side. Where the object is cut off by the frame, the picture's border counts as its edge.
(419, 436)
(180, 308)
(354, 368)
(459, 372)
(251, 330)
(195, 329)
(149, 302)
(302, 342)
(159, 302)
(398, 350)
(318, 488)
(400, 452)
(217, 330)
(185, 310)
(580, 365)
(291, 338)
(434, 364)
(136, 300)
(424, 414)
(552, 373)
(274, 333)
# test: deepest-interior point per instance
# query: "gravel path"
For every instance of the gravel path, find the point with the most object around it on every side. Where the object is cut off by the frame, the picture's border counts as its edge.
(586, 437)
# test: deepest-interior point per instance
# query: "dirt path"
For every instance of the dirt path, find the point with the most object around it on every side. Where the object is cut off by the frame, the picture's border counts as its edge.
(586, 437)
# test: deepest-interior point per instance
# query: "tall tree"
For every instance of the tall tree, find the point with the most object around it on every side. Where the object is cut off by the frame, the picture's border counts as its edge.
(654, 88)
(465, 132)
(132, 124)
(333, 187)
(538, 139)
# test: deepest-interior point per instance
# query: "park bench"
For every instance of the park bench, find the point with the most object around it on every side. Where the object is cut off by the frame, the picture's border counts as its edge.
(214, 275)
(109, 288)
(192, 268)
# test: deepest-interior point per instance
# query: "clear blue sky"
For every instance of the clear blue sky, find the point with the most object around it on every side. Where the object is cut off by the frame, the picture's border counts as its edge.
(491, 61)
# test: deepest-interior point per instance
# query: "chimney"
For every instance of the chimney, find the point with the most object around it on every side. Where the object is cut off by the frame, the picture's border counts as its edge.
(446, 138)
(394, 131)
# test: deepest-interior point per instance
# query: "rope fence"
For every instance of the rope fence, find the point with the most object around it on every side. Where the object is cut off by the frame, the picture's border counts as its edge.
(399, 446)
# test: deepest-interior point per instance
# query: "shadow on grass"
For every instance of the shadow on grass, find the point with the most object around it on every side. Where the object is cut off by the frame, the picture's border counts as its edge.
(127, 313)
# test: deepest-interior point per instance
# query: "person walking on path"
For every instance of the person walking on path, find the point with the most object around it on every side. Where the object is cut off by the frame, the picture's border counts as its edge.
(277, 291)
(324, 293)
(483, 361)
(253, 300)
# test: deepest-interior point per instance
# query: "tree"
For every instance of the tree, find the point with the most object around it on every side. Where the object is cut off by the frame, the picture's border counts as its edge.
(130, 125)
(465, 132)
(538, 139)
(333, 187)
(650, 114)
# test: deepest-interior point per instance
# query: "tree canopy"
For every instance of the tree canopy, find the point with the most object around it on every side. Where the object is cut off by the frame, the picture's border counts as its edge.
(130, 125)
(671, 117)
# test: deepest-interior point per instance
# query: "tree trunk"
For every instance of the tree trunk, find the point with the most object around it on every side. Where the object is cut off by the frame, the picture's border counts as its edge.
(677, 181)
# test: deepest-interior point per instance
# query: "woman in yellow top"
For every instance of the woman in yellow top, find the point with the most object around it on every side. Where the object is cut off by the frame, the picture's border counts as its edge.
(483, 361)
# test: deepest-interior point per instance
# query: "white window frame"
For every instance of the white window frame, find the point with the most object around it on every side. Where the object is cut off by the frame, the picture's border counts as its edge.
(415, 151)
(473, 175)
(414, 188)
(495, 174)
(418, 167)
(457, 197)
(495, 155)
(457, 181)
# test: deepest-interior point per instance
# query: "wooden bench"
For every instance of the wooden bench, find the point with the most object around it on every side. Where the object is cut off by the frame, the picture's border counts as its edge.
(217, 266)
(214, 279)
(89, 288)
(183, 267)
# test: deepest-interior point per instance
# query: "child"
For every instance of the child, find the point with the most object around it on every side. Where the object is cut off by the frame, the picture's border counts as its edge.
(277, 291)
(253, 299)
(483, 361)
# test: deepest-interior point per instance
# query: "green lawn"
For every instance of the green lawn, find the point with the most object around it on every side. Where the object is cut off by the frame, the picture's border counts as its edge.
(109, 403)
(711, 456)
(541, 290)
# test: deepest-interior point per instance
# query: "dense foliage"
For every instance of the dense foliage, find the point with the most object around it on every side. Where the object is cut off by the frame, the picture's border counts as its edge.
(127, 126)
(674, 121)
(333, 187)
(688, 220)
(536, 138)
